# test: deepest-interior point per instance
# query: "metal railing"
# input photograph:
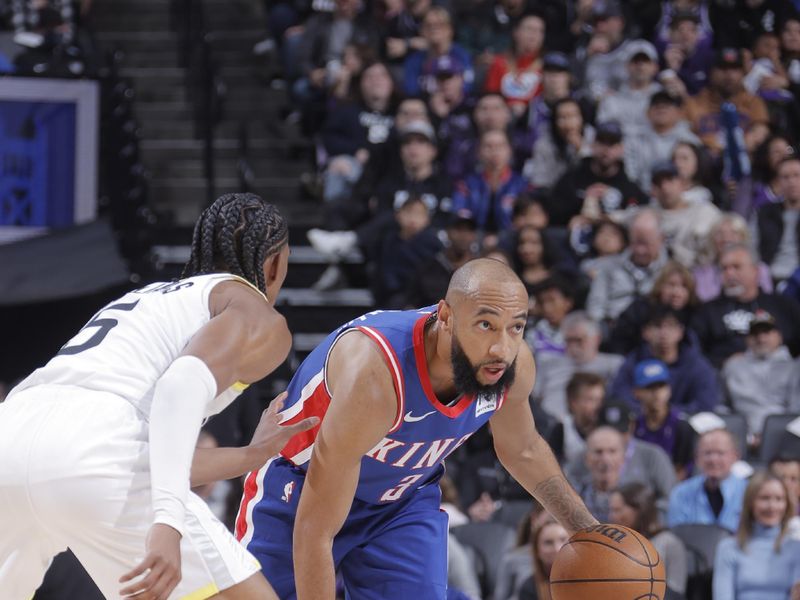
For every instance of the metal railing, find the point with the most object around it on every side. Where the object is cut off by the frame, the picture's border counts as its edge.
(205, 89)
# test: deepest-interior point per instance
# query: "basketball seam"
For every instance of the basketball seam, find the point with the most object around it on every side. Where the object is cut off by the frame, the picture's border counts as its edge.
(638, 562)
(649, 561)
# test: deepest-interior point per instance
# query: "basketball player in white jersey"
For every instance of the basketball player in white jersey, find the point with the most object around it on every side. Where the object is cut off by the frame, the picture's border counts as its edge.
(97, 447)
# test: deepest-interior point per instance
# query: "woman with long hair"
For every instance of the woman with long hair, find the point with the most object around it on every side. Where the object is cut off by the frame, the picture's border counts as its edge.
(546, 541)
(763, 182)
(674, 287)
(695, 170)
(633, 505)
(760, 562)
(568, 140)
(533, 256)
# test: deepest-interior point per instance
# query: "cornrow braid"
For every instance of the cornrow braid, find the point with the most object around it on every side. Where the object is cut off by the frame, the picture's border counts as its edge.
(236, 234)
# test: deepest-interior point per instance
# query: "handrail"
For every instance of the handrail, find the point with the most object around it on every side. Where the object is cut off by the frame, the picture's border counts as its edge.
(204, 88)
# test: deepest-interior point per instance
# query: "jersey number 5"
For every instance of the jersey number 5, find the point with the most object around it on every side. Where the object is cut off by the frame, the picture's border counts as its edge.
(103, 325)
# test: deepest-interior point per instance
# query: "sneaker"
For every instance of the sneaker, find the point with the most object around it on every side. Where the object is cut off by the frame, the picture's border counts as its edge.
(332, 243)
(332, 278)
(265, 46)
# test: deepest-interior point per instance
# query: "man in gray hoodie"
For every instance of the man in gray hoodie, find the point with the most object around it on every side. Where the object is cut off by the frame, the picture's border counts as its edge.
(759, 382)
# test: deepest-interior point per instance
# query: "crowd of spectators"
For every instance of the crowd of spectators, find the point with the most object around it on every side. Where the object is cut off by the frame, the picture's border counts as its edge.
(636, 164)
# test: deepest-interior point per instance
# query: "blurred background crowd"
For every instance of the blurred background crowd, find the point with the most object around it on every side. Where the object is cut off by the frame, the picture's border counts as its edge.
(636, 164)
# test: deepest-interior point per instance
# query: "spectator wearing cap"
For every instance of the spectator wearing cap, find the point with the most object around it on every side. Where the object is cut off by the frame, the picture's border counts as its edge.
(640, 461)
(596, 186)
(686, 225)
(418, 177)
(437, 30)
(405, 246)
(622, 278)
(628, 104)
(715, 495)
(759, 382)
(659, 422)
(448, 102)
(562, 146)
(581, 355)
(489, 193)
(517, 74)
(705, 110)
(607, 50)
(666, 127)
(686, 52)
(353, 129)
(693, 379)
(779, 223)
(722, 324)
(429, 284)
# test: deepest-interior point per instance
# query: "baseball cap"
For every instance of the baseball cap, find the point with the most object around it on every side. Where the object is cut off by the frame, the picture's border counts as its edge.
(616, 414)
(555, 61)
(729, 58)
(664, 97)
(605, 9)
(462, 217)
(608, 133)
(682, 15)
(649, 372)
(762, 321)
(663, 170)
(418, 127)
(637, 48)
(447, 65)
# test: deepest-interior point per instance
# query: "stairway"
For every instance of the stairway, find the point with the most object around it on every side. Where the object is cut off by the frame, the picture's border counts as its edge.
(173, 155)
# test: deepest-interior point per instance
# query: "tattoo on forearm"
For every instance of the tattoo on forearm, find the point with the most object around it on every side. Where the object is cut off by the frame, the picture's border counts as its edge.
(563, 503)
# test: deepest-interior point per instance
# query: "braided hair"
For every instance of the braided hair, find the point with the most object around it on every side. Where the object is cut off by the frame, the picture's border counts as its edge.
(236, 234)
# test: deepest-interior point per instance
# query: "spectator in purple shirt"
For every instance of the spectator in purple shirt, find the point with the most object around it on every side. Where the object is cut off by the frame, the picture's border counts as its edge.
(660, 423)
(688, 52)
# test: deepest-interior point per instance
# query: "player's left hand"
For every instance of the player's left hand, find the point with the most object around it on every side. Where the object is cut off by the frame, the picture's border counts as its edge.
(270, 436)
(162, 563)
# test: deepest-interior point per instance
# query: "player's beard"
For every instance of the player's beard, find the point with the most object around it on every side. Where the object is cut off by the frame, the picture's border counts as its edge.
(465, 374)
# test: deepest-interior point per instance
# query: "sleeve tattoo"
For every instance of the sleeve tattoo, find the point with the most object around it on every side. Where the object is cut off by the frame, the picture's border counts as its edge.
(561, 501)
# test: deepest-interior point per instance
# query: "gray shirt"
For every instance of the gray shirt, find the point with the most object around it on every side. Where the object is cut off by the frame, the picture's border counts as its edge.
(786, 260)
(618, 282)
(628, 107)
(758, 387)
(553, 372)
(676, 563)
(645, 147)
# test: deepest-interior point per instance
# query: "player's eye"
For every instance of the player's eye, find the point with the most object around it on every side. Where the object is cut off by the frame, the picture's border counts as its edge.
(485, 325)
(518, 327)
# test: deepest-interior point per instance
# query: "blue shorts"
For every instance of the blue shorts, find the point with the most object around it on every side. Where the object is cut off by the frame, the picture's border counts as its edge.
(396, 550)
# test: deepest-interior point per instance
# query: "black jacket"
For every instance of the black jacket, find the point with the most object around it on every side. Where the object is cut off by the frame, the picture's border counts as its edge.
(770, 231)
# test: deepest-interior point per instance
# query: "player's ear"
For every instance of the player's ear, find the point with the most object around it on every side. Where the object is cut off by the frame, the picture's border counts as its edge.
(271, 268)
(444, 313)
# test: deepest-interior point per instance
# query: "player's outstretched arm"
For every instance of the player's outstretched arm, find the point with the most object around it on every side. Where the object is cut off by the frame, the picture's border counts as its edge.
(216, 464)
(362, 410)
(526, 455)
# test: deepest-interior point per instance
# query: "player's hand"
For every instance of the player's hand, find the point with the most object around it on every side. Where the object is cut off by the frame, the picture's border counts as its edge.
(162, 565)
(270, 436)
(795, 591)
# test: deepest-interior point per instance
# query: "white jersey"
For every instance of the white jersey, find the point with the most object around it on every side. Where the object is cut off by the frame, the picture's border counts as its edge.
(128, 344)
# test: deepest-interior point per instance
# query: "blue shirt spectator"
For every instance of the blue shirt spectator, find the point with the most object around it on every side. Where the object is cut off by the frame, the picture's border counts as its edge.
(715, 496)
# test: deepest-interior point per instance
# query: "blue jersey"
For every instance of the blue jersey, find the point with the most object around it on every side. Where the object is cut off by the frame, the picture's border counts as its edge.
(424, 430)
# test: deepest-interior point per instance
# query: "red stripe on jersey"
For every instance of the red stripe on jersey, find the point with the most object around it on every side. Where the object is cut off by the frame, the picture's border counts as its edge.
(316, 405)
(250, 490)
(394, 368)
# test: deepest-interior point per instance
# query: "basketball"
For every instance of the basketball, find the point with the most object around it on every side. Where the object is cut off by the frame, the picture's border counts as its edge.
(608, 562)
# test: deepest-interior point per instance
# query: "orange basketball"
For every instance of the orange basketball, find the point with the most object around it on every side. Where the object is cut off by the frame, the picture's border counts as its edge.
(608, 562)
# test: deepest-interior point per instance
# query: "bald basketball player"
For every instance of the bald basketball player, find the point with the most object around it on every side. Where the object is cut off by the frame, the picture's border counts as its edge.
(397, 392)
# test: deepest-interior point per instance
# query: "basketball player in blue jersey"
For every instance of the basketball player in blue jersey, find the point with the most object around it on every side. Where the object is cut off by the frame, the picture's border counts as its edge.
(98, 446)
(397, 392)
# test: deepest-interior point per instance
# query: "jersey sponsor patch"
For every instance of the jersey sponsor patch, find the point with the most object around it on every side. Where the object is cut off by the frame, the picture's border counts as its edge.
(485, 403)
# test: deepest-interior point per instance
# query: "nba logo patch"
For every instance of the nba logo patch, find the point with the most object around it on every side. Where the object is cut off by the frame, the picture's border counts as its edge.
(484, 404)
(287, 492)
